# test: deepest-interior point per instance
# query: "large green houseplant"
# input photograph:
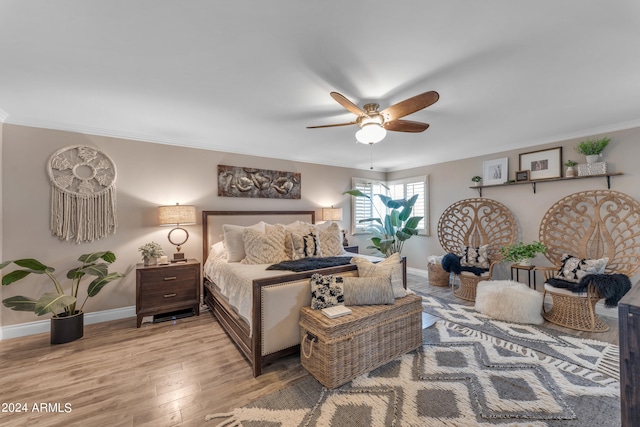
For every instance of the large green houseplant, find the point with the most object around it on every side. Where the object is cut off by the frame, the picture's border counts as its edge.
(59, 302)
(522, 253)
(398, 225)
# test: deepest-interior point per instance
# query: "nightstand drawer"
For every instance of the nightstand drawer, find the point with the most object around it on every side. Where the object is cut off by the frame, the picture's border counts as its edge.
(162, 293)
(168, 275)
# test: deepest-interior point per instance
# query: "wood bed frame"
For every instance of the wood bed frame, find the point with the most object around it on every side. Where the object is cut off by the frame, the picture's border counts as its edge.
(251, 344)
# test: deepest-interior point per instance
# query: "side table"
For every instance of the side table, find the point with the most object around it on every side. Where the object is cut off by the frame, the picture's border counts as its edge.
(529, 269)
(166, 288)
(352, 248)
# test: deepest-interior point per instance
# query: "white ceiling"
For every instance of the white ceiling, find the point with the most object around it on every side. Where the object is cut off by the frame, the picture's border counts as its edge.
(248, 76)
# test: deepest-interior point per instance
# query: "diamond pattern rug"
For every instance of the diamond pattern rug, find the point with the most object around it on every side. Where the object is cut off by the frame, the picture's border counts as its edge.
(455, 379)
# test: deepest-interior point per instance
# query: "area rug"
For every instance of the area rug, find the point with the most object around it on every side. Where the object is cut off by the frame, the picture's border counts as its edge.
(455, 379)
(591, 354)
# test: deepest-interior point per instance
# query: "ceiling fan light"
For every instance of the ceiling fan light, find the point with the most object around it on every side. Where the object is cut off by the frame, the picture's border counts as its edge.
(371, 133)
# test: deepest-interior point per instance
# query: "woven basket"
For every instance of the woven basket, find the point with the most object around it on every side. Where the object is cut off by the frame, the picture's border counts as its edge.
(335, 351)
(437, 275)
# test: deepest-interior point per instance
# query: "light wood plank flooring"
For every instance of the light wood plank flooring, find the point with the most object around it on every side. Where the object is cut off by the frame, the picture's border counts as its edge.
(166, 374)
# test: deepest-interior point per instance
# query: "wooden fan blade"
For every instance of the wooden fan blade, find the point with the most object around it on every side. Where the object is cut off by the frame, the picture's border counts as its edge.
(331, 126)
(405, 126)
(347, 104)
(411, 105)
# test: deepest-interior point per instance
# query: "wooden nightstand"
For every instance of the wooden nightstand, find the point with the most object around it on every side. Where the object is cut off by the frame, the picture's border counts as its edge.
(167, 288)
(353, 249)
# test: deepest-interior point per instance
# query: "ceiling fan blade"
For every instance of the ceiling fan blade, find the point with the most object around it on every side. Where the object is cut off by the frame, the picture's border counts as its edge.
(347, 104)
(410, 105)
(405, 126)
(331, 126)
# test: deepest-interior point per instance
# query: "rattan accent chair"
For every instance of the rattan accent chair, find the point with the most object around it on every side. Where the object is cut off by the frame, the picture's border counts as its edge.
(476, 222)
(588, 225)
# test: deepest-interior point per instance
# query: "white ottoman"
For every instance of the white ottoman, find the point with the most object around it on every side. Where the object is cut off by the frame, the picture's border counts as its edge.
(510, 301)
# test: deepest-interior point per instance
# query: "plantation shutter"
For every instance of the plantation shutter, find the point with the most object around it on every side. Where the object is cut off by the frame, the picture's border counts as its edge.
(363, 208)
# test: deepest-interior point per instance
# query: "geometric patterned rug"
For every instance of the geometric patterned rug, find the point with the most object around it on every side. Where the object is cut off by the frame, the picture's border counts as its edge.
(455, 379)
(591, 354)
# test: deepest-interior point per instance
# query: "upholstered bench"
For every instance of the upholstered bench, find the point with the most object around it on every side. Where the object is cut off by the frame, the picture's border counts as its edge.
(510, 301)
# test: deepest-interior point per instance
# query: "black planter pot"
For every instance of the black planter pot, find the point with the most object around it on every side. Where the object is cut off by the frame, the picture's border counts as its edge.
(67, 328)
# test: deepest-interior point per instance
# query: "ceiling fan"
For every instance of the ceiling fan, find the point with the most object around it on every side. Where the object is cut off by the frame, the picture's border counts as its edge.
(374, 124)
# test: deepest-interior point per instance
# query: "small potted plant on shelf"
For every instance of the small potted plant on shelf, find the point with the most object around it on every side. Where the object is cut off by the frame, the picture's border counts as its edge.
(571, 172)
(476, 179)
(522, 253)
(67, 323)
(151, 252)
(592, 148)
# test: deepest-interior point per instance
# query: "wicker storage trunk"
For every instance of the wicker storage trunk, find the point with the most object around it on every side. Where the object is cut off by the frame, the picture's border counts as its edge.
(335, 351)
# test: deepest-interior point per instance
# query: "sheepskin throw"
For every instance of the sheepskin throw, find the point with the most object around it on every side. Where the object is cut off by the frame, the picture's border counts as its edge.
(611, 287)
(451, 263)
(83, 193)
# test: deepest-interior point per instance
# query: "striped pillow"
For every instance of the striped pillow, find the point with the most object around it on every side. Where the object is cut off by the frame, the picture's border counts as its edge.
(367, 290)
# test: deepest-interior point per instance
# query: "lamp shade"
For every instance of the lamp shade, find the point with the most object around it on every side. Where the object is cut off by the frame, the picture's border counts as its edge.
(371, 133)
(332, 214)
(177, 215)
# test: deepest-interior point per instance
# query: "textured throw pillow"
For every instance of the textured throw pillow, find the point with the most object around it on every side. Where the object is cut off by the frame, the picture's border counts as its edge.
(573, 268)
(389, 267)
(330, 240)
(475, 257)
(234, 240)
(305, 245)
(264, 248)
(297, 227)
(367, 290)
(326, 291)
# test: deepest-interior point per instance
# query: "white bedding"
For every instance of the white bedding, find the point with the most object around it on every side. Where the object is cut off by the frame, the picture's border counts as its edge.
(234, 280)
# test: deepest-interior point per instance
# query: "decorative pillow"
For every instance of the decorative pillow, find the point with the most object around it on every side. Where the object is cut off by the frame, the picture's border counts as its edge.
(367, 290)
(264, 248)
(305, 245)
(573, 268)
(298, 227)
(218, 251)
(475, 257)
(234, 240)
(330, 240)
(389, 267)
(326, 291)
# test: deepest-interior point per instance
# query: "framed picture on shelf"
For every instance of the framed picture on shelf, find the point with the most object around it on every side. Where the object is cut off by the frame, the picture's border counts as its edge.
(495, 171)
(542, 164)
(522, 176)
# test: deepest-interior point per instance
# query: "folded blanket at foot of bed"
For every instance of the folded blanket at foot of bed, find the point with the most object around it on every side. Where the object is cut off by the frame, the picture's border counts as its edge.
(311, 263)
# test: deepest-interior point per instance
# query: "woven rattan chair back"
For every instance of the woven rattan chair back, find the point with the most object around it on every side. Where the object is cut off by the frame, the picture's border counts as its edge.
(476, 222)
(594, 224)
(590, 224)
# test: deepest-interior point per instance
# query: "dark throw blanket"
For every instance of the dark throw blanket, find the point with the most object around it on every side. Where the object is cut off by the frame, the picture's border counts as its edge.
(451, 263)
(306, 264)
(612, 287)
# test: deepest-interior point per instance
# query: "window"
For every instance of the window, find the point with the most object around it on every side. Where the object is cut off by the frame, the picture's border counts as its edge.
(362, 208)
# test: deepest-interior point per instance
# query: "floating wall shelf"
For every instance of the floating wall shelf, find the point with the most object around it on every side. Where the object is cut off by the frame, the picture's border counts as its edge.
(533, 183)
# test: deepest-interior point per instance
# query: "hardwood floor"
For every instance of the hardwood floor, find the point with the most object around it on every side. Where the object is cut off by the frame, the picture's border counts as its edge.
(166, 374)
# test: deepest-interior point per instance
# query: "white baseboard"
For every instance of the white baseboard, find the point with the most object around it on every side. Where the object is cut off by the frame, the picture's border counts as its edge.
(41, 326)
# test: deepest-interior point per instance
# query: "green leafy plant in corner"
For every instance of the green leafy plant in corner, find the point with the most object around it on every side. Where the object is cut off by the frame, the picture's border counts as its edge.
(60, 303)
(570, 163)
(398, 226)
(592, 147)
(476, 178)
(520, 251)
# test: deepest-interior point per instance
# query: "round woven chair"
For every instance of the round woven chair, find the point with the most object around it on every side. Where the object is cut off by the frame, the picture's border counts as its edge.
(590, 224)
(474, 223)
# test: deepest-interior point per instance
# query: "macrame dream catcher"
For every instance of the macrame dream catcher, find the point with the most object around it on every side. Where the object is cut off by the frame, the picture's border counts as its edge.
(83, 193)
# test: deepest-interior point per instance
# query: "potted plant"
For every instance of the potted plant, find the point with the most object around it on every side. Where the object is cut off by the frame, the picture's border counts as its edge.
(522, 253)
(570, 171)
(592, 148)
(68, 318)
(476, 179)
(398, 226)
(151, 252)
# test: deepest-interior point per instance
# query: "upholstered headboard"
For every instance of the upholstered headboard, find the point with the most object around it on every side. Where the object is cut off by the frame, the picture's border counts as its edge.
(212, 222)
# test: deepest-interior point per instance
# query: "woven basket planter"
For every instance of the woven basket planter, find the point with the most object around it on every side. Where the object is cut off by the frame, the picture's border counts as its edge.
(437, 275)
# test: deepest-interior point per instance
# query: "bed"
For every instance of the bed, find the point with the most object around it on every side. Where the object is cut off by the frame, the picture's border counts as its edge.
(263, 320)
